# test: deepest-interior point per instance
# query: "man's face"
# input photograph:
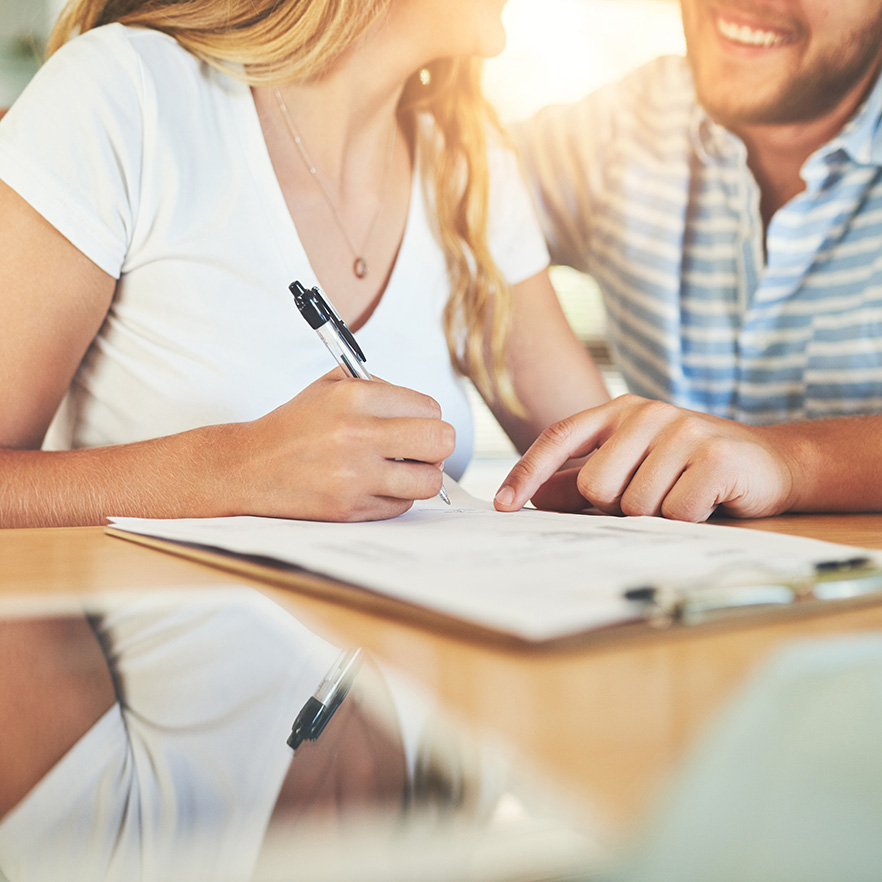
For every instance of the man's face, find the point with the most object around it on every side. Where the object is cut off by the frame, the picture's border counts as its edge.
(780, 61)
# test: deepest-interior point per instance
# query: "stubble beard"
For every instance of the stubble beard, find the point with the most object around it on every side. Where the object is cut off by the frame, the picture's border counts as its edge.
(802, 96)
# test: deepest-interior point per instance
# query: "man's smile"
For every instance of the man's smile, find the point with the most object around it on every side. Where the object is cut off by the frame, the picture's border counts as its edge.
(750, 35)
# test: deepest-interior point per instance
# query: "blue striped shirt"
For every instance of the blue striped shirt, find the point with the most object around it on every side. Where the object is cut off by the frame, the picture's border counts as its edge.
(640, 188)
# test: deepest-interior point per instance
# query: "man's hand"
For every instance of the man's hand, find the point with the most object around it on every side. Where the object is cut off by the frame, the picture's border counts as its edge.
(651, 458)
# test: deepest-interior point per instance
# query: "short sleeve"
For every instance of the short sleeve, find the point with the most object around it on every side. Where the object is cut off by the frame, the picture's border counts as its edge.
(72, 144)
(514, 236)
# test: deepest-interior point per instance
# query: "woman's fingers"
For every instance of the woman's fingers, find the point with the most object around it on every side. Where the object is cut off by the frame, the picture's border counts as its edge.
(344, 450)
(416, 439)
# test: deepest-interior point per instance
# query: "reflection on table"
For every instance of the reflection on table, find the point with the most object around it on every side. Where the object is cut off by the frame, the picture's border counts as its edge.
(181, 769)
(786, 774)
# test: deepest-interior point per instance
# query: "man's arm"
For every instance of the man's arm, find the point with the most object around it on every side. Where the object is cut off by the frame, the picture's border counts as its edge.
(650, 458)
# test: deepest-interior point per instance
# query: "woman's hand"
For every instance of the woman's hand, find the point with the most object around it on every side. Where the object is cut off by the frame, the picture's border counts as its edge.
(335, 452)
(651, 458)
(342, 450)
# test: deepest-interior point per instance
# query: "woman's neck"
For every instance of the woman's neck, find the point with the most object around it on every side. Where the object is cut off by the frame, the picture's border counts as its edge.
(344, 116)
(342, 161)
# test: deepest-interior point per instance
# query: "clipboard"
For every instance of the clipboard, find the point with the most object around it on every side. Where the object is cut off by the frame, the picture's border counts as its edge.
(691, 609)
(293, 578)
(579, 578)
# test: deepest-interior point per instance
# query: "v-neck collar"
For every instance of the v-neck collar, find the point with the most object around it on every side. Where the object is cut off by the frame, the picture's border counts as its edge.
(278, 218)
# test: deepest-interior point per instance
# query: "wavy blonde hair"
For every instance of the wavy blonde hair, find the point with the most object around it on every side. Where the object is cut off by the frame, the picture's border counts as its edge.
(276, 41)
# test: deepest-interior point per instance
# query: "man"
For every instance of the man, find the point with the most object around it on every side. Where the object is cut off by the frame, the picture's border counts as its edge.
(730, 207)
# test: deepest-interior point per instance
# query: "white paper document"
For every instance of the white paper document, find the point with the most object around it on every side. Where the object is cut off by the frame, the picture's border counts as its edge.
(534, 575)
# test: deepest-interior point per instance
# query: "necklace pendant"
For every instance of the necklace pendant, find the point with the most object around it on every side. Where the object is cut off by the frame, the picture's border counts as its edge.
(359, 268)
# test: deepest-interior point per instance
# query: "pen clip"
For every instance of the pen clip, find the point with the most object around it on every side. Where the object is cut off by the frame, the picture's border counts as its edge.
(317, 312)
(347, 334)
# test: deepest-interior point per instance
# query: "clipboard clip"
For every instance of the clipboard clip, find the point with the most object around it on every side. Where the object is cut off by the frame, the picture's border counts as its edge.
(667, 605)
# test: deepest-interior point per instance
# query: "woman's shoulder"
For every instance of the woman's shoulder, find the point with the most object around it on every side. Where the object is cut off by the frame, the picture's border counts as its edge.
(114, 44)
(115, 52)
(137, 71)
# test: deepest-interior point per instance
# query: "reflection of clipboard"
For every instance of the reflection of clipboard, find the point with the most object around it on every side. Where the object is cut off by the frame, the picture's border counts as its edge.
(535, 577)
(851, 578)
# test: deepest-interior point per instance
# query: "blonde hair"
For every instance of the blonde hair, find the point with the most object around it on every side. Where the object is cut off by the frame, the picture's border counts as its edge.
(285, 40)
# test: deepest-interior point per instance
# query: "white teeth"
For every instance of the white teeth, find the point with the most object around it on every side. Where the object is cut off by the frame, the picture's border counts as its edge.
(747, 35)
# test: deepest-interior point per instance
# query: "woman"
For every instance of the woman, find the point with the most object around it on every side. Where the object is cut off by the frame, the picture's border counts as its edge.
(171, 170)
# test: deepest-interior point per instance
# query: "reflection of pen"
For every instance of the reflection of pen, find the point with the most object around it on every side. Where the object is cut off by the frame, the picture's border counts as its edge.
(315, 714)
(323, 319)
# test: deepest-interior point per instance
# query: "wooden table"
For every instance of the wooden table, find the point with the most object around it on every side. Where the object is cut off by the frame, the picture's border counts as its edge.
(606, 722)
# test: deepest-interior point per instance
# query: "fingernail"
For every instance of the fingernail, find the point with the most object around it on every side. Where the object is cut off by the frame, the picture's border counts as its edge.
(505, 496)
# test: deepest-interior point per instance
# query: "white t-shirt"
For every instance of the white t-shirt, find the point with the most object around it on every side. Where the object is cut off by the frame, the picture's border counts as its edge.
(154, 165)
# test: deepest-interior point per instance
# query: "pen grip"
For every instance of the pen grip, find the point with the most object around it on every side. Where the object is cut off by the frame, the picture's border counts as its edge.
(346, 357)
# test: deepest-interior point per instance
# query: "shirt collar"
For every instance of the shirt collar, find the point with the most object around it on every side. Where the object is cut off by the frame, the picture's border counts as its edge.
(713, 143)
(710, 141)
(860, 139)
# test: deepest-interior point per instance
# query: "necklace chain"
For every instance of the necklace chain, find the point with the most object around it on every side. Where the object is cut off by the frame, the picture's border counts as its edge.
(359, 264)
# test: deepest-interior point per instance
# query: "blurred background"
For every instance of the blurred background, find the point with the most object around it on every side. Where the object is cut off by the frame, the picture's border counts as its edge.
(557, 50)
(24, 26)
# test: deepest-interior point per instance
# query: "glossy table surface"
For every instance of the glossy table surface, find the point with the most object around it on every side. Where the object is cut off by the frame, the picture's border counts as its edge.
(606, 722)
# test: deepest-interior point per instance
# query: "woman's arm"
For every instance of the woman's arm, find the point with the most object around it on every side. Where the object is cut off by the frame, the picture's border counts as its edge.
(332, 453)
(52, 303)
(551, 369)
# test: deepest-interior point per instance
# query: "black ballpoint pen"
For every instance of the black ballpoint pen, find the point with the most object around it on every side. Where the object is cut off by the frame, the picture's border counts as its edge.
(319, 709)
(324, 320)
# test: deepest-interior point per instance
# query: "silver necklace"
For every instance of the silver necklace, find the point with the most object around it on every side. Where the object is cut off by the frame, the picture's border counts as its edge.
(359, 263)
